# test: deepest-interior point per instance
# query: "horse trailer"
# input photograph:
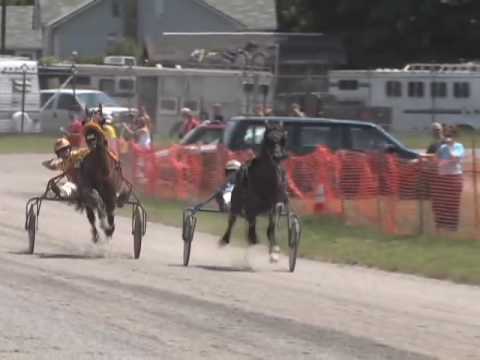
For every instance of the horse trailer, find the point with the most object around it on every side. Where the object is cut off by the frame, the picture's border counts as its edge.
(165, 91)
(416, 95)
(19, 95)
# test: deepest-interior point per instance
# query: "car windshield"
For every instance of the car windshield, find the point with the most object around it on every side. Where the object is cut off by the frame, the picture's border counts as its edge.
(203, 136)
(91, 100)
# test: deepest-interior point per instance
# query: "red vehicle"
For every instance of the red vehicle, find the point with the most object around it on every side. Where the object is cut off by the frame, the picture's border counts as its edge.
(205, 134)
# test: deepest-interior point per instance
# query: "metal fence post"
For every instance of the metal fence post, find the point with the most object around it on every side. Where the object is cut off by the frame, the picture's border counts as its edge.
(74, 80)
(24, 90)
(421, 194)
(475, 186)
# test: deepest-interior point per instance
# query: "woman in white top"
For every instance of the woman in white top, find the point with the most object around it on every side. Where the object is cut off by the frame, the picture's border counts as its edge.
(141, 133)
(448, 185)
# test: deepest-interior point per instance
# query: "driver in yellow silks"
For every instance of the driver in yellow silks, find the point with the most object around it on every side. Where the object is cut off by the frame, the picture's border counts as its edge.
(68, 162)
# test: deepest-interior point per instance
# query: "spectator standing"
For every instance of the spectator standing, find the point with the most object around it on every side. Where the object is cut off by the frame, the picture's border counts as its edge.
(141, 133)
(142, 112)
(448, 185)
(259, 111)
(189, 123)
(295, 111)
(217, 115)
(437, 134)
(268, 111)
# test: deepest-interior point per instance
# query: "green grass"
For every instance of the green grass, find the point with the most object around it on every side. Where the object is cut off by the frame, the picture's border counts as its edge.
(21, 144)
(40, 144)
(328, 239)
(422, 141)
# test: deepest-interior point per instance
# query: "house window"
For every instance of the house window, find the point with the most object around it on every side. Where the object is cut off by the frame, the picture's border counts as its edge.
(126, 84)
(348, 84)
(461, 89)
(168, 105)
(393, 88)
(438, 89)
(82, 80)
(17, 86)
(415, 89)
(115, 9)
(107, 85)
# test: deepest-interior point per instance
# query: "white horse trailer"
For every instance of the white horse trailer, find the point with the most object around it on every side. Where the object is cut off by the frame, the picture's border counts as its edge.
(165, 91)
(417, 95)
(19, 85)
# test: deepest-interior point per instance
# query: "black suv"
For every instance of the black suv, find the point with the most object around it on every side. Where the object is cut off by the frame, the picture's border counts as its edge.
(305, 134)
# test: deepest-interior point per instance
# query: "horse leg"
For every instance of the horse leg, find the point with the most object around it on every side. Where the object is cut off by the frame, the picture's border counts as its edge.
(273, 248)
(226, 237)
(110, 209)
(97, 203)
(91, 219)
(252, 230)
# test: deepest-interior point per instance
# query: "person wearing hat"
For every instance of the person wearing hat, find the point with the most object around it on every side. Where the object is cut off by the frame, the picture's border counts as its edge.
(223, 196)
(68, 161)
(190, 122)
(438, 138)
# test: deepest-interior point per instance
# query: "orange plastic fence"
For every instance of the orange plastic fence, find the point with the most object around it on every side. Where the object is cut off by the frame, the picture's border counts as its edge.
(397, 196)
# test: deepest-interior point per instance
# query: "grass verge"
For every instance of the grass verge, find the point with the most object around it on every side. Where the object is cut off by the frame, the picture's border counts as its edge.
(328, 239)
(22, 144)
(40, 144)
(422, 141)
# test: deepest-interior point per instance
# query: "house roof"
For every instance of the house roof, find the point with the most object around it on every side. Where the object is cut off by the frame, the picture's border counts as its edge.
(53, 10)
(254, 14)
(19, 33)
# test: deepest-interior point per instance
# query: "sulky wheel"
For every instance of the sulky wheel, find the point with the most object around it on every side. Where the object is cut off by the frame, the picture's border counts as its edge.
(188, 229)
(137, 232)
(32, 229)
(294, 234)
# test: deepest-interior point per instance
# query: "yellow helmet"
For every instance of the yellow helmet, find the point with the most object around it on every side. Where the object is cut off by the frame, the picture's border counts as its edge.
(61, 144)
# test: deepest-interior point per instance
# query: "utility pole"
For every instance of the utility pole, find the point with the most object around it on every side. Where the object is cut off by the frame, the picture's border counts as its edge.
(4, 25)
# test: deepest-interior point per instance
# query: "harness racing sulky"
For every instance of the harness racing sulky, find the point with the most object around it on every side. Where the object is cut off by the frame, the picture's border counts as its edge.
(259, 187)
(91, 180)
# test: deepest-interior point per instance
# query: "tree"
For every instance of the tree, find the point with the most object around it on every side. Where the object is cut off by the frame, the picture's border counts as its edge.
(391, 32)
(20, 2)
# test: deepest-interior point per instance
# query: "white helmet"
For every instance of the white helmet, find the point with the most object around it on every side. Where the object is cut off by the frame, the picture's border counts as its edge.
(233, 165)
(186, 111)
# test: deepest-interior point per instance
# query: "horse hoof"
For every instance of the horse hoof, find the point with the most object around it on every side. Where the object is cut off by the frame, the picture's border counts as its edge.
(109, 231)
(274, 258)
(95, 237)
(223, 242)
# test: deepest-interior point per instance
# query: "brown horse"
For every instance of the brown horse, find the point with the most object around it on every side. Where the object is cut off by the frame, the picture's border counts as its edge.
(98, 180)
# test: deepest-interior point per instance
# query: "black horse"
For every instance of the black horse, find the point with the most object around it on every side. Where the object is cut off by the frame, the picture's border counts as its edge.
(97, 181)
(260, 188)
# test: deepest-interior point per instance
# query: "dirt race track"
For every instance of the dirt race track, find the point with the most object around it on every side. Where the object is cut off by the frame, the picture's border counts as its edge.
(74, 300)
